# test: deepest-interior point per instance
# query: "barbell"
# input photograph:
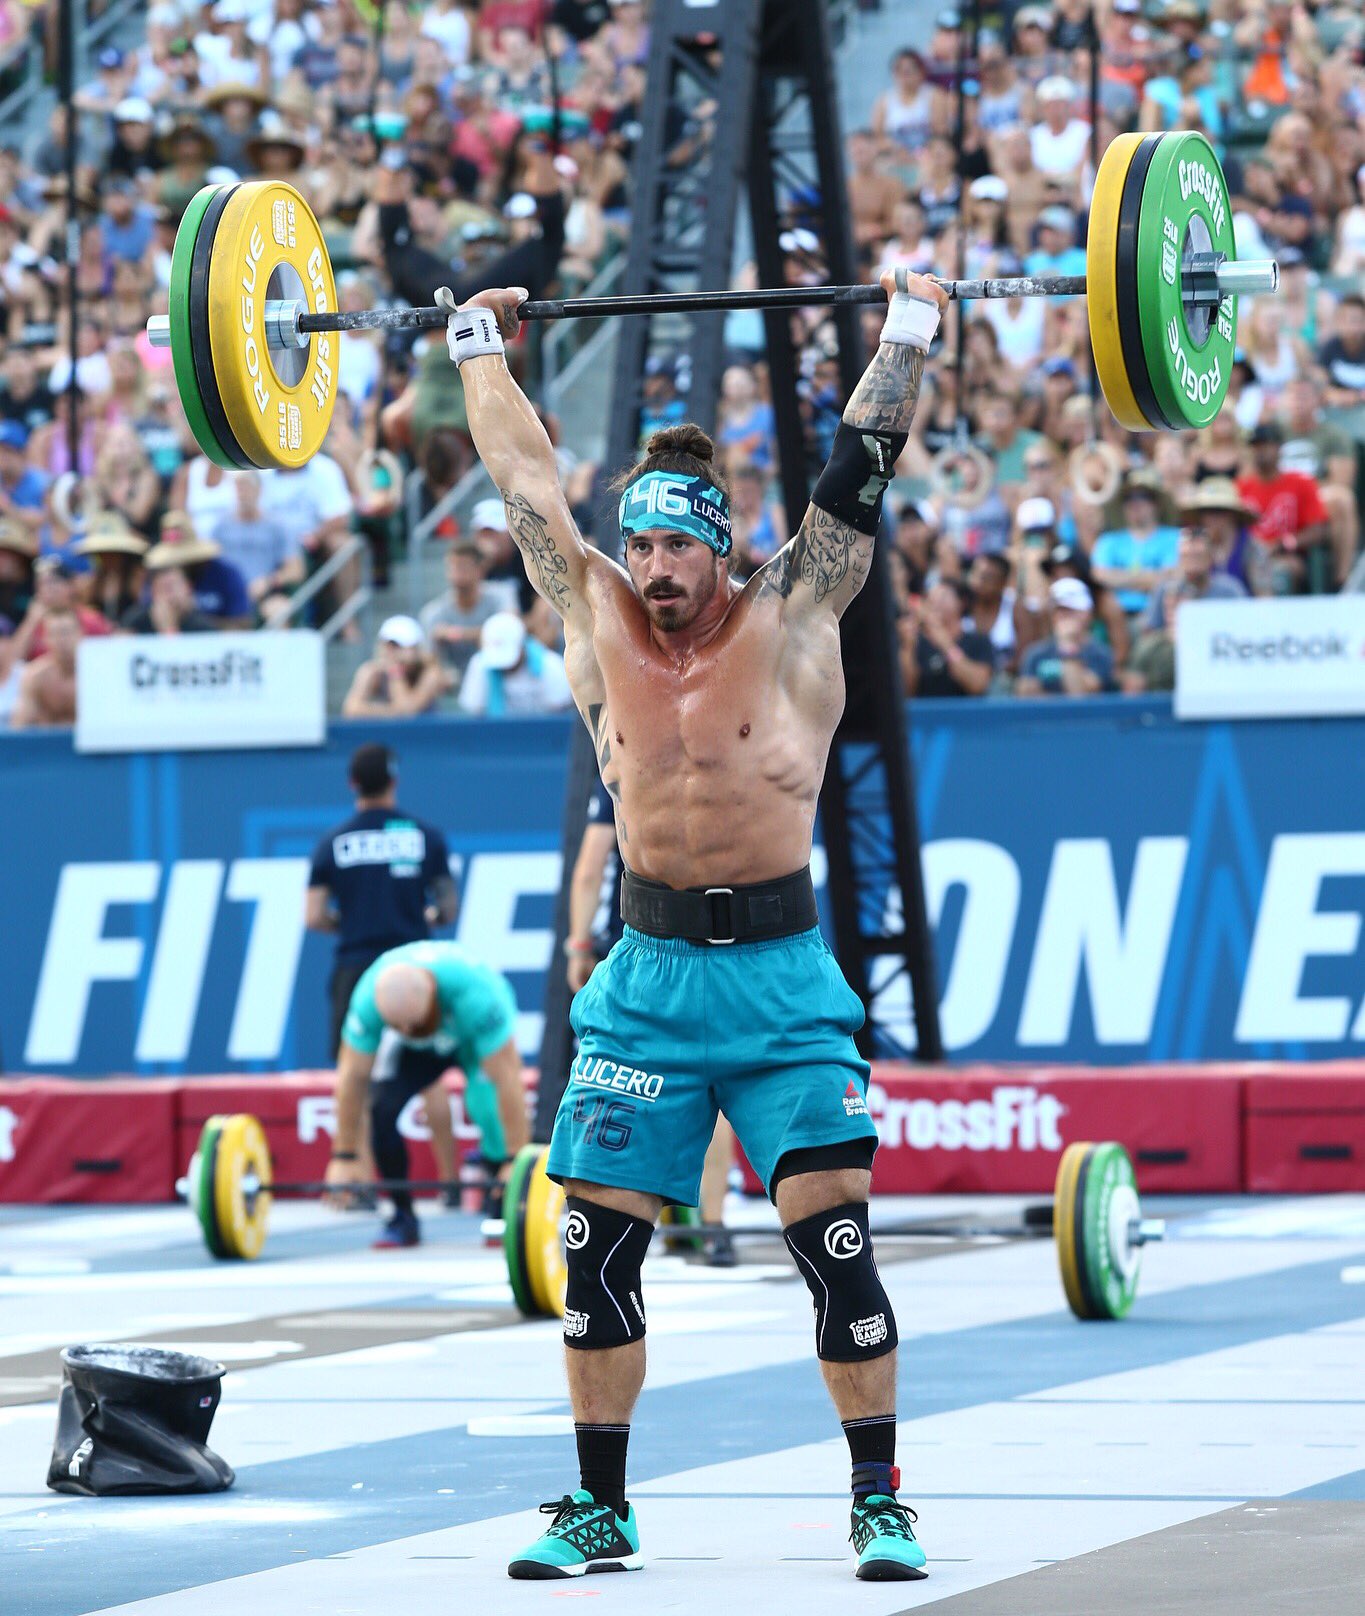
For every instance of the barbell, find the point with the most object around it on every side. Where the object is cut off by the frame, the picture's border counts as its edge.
(253, 325)
(1094, 1216)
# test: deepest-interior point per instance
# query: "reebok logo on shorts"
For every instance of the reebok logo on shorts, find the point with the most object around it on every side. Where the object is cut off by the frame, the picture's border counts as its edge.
(870, 1332)
(594, 1072)
(576, 1324)
(854, 1104)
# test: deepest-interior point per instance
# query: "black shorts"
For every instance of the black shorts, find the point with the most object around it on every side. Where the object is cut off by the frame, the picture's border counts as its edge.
(340, 987)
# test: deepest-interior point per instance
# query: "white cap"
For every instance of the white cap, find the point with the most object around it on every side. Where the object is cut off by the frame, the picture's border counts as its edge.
(990, 187)
(520, 206)
(404, 631)
(489, 513)
(1071, 595)
(1035, 513)
(133, 109)
(501, 640)
(1056, 88)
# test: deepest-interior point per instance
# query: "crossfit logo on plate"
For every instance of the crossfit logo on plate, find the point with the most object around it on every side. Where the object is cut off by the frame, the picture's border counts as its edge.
(575, 1324)
(869, 1332)
(282, 223)
(843, 1239)
(576, 1231)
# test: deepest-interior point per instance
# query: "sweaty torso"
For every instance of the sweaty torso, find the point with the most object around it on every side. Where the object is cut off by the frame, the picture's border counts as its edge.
(714, 757)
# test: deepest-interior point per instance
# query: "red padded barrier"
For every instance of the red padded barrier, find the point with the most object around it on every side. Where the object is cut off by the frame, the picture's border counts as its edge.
(65, 1140)
(1002, 1130)
(1305, 1129)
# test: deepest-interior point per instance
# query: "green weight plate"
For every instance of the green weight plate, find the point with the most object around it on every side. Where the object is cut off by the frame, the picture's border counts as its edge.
(182, 338)
(201, 1190)
(676, 1218)
(514, 1228)
(231, 454)
(1106, 1208)
(1128, 282)
(1185, 209)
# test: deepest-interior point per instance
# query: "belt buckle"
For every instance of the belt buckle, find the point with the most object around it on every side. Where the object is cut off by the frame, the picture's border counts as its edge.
(727, 892)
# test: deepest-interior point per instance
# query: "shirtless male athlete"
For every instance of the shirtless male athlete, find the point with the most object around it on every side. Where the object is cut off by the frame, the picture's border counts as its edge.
(712, 707)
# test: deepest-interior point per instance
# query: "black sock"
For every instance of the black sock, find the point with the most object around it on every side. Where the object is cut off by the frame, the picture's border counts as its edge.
(872, 1447)
(602, 1462)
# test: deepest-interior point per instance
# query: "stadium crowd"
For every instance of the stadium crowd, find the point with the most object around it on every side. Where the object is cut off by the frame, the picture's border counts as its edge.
(1038, 547)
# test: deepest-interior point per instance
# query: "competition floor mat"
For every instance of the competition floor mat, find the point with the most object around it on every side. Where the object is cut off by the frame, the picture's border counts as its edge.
(394, 1426)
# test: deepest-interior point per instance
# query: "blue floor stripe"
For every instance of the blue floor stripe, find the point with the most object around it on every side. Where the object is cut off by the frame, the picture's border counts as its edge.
(1340, 1488)
(99, 1554)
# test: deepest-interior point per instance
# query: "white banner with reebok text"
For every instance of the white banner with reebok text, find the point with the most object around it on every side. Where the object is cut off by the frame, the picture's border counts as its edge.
(1274, 658)
(161, 692)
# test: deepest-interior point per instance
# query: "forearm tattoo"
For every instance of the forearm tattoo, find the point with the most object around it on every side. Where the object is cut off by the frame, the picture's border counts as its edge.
(531, 534)
(885, 399)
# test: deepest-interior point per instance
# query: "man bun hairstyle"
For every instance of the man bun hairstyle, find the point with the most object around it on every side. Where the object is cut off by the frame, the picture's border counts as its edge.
(684, 448)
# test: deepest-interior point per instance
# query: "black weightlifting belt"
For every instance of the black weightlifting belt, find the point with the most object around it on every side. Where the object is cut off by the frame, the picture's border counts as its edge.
(745, 914)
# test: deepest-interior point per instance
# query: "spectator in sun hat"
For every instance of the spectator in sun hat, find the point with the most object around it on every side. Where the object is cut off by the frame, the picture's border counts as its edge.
(1069, 662)
(403, 678)
(512, 673)
(1196, 575)
(220, 591)
(18, 552)
(115, 552)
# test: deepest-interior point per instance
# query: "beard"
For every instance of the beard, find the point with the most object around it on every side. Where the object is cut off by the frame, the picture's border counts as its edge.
(681, 608)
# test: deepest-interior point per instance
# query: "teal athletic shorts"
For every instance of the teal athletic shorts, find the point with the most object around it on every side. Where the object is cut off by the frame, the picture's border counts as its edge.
(671, 1031)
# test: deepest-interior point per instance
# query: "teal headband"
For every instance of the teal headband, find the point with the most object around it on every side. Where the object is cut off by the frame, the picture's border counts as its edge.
(677, 500)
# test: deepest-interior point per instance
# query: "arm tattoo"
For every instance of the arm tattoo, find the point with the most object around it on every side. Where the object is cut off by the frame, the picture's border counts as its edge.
(823, 553)
(884, 400)
(530, 531)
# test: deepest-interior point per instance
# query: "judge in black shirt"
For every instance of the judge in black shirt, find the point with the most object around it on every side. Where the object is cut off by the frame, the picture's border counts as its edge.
(379, 880)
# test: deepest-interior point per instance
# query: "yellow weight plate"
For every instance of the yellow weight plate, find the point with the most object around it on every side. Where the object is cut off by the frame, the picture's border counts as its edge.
(1101, 283)
(1064, 1227)
(242, 1219)
(278, 401)
(545, 1265)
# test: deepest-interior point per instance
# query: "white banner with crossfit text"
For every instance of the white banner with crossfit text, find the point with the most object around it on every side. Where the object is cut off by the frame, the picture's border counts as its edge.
(162, 692)
(1273, 658)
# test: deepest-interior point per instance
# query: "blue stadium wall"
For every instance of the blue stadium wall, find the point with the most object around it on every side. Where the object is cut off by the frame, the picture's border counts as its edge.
(1106, 885)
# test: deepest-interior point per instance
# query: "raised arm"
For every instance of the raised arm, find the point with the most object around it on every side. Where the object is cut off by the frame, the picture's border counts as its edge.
(515, 448)
(826, 564)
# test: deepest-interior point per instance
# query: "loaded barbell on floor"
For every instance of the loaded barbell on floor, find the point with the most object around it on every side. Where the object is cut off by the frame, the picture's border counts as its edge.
(253, 322)
(1094, 1216)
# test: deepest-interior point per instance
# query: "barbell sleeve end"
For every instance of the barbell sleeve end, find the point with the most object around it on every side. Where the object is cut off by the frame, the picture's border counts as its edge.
(1146, 1231)
(1248, 278)
(159, 331)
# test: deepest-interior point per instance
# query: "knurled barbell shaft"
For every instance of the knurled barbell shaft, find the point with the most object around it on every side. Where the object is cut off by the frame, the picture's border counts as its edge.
(288, 326)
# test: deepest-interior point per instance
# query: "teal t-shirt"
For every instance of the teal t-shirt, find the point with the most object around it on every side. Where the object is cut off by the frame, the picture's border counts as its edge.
(478, 1007)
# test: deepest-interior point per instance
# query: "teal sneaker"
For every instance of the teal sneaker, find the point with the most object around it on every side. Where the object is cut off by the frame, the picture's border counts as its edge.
(887, 1551)
(584, 1536)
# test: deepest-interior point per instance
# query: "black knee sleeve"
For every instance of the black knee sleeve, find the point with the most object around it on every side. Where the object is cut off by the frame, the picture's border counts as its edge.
(853, 1317)
(604, 1250)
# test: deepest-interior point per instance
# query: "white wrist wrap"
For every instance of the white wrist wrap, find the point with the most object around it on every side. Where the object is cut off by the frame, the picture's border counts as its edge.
(470, 332)
(911, 319)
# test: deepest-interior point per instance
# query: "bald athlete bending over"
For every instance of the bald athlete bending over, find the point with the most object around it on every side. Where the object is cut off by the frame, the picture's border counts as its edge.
(712, 706)
(418, 1010)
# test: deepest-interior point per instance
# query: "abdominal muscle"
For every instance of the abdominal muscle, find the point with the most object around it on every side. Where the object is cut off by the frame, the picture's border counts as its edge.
(715, 763)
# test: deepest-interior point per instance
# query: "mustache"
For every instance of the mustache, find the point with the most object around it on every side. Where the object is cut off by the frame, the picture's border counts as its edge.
(655, 590)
